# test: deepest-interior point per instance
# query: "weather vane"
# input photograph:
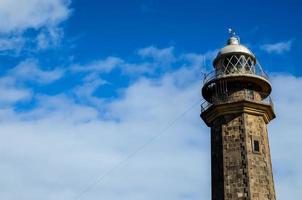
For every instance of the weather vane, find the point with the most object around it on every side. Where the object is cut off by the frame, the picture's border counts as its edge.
(232, 32)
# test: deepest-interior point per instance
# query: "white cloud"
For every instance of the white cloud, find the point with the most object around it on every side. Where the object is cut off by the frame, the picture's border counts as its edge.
(59, 108)
(12, 44)
(109, 64)
(202, 62)
(10, 93)
(68, 144)
(161, 60)
(165, 55)
(43, 16)
(12, 86)
(279, 47)
(85, 91)
(29, 70)
(285, 135)
(100, 66)
(137, 68)
(34, 14)
(49, 37)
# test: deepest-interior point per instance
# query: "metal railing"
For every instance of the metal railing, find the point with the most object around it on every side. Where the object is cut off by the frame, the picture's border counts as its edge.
(248, 95)
(221, 74)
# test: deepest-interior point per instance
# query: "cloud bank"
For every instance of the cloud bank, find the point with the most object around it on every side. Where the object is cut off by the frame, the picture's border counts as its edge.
(61, 145)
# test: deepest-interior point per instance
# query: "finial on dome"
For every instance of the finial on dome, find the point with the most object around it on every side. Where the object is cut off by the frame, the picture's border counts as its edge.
(232, 32)
(234, 39)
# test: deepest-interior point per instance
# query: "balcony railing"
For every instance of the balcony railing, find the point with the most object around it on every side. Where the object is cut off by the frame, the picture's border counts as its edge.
(221, 74)
(247, 95)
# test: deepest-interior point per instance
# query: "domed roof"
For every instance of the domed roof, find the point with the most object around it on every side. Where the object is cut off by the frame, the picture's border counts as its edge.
(233, 47)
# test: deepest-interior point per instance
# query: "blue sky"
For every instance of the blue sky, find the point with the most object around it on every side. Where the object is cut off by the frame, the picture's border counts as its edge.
(83, 85)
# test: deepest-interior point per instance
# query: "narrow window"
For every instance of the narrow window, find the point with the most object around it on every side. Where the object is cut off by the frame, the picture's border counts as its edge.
(256, 146)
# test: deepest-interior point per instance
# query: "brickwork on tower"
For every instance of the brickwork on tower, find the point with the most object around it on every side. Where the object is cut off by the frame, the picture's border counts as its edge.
(238, 172)
(259, 167)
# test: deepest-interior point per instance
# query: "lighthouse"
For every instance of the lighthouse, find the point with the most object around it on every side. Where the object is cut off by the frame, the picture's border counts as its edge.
(238, 108)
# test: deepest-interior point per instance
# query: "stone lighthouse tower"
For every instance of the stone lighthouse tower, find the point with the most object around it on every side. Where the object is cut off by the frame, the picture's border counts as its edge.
(238, 109)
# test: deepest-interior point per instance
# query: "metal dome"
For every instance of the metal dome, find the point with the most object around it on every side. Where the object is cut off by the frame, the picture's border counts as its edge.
(233, 47)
